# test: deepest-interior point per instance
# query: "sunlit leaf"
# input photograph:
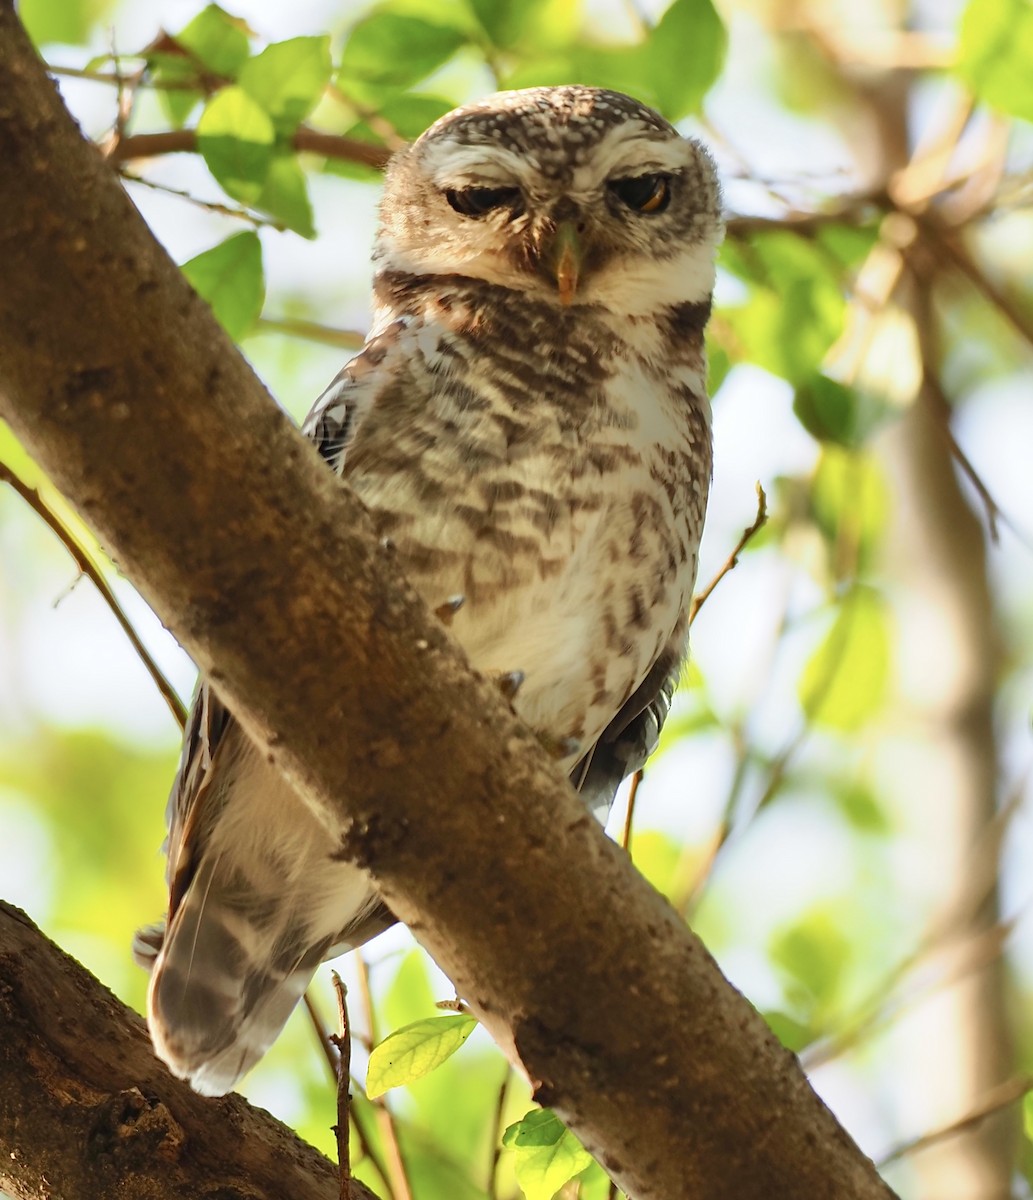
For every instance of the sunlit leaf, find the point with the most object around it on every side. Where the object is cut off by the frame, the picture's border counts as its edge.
(507, 22)
(235, 136)
(217, 40)
(843, 684)
(284, 195)
(230, 278)
(850, 501)
(796, 306)
(173, 74)
(395, 49)
(814, 952)
(409, 998)
(414, 1051)
(995, 52)
(547, 1153)
(684, 55)
(288, 78)
(69, 22)
(793, 1034)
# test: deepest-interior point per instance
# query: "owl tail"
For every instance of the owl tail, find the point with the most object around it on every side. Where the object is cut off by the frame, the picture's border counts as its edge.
(223, 983)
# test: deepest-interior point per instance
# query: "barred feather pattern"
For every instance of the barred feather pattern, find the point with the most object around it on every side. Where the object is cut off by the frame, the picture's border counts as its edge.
(547, 462)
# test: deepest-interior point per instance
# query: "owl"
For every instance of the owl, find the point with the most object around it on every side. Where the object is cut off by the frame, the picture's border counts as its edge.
(528, 425)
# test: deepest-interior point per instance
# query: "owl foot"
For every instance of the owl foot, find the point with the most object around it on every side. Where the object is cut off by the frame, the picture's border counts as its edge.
(445, 612)
(509, 684)
(559, 747)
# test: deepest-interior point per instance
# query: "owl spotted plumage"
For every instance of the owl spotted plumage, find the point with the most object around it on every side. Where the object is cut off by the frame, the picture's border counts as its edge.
(528, 425)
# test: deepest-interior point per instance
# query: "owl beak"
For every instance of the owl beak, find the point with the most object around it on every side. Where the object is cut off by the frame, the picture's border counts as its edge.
(566, 256)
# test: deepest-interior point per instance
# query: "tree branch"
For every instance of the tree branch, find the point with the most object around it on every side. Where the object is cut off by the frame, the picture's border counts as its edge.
(85, 1105)
(314, 141)
(120, 381)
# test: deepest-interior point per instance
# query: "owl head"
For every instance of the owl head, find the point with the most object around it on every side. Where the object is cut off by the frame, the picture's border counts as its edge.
(576, 195)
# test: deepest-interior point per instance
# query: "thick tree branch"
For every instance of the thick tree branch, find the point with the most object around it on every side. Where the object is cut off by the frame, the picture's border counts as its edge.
(85, 1105)
(119, 380)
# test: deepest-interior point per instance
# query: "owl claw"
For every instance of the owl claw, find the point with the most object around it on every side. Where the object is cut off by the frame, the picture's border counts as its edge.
(559, 747)
(445, 612)
(509, 683)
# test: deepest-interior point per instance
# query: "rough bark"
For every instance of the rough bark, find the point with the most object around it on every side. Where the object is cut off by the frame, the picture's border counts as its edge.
(119, 381)
(87, 1111)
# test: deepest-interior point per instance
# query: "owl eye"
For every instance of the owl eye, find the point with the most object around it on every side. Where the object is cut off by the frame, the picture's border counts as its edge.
(478, 201)
(644, 193)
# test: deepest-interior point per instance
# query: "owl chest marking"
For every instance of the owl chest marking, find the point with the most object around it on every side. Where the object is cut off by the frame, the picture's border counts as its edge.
(555, 478)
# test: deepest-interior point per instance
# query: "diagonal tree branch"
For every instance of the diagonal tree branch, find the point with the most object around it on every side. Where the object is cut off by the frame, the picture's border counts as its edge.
(118, 378)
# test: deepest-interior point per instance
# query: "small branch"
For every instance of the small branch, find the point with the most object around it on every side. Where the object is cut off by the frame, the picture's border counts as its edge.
(629, 815)
(346, 339)
(397, 1173)
(996, 1099)
(90, 569)
(496, 1136)
(212, 206)
(959, 256)
(326, 1042)
(343, 1043)
(306, 139)
(733, 559)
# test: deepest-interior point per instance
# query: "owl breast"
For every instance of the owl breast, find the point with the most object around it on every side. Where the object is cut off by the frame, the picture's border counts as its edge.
(556, 479)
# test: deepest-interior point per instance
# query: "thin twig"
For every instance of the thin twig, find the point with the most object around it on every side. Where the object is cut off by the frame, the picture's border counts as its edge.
(960, 257)
(1000, 1097)
(343, 1043)
(733, 559)
(89, 568)
(398, 1174)
(312, 331)
(496, 1135)
(212, 206)
(629, 815)
(325, 1039)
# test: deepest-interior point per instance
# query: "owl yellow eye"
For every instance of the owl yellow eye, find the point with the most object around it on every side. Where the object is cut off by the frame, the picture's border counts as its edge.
(478, 201)
(644, 193)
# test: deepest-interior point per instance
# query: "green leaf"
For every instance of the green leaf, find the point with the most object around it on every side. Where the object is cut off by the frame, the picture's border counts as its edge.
(285, 195)
(230, 278)
(548, 1155)
(173, 74)
(827, 409)
(684, 55)
(288, 79)
(415, 1051)
(235, 135)
(995, 52)
(507, 21)
(393, 50)
(69, 22)
(796, 307)
(410, 992)
(815, 954)
(843, 684)
(849, 498)
(217, 40)
(791, 1033)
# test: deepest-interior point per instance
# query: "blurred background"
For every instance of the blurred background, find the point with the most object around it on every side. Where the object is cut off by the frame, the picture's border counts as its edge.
(841, 804)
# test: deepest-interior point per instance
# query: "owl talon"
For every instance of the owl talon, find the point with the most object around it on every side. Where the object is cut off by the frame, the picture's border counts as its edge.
(509, 683)
(558, 748)
(445, 612)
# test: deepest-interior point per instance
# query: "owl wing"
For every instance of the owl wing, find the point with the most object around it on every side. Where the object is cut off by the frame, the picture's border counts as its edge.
(336, 416)
(631, 737)
(331, 424)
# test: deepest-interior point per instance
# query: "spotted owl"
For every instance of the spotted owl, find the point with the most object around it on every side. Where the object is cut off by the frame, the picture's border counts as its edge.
(528, 424)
